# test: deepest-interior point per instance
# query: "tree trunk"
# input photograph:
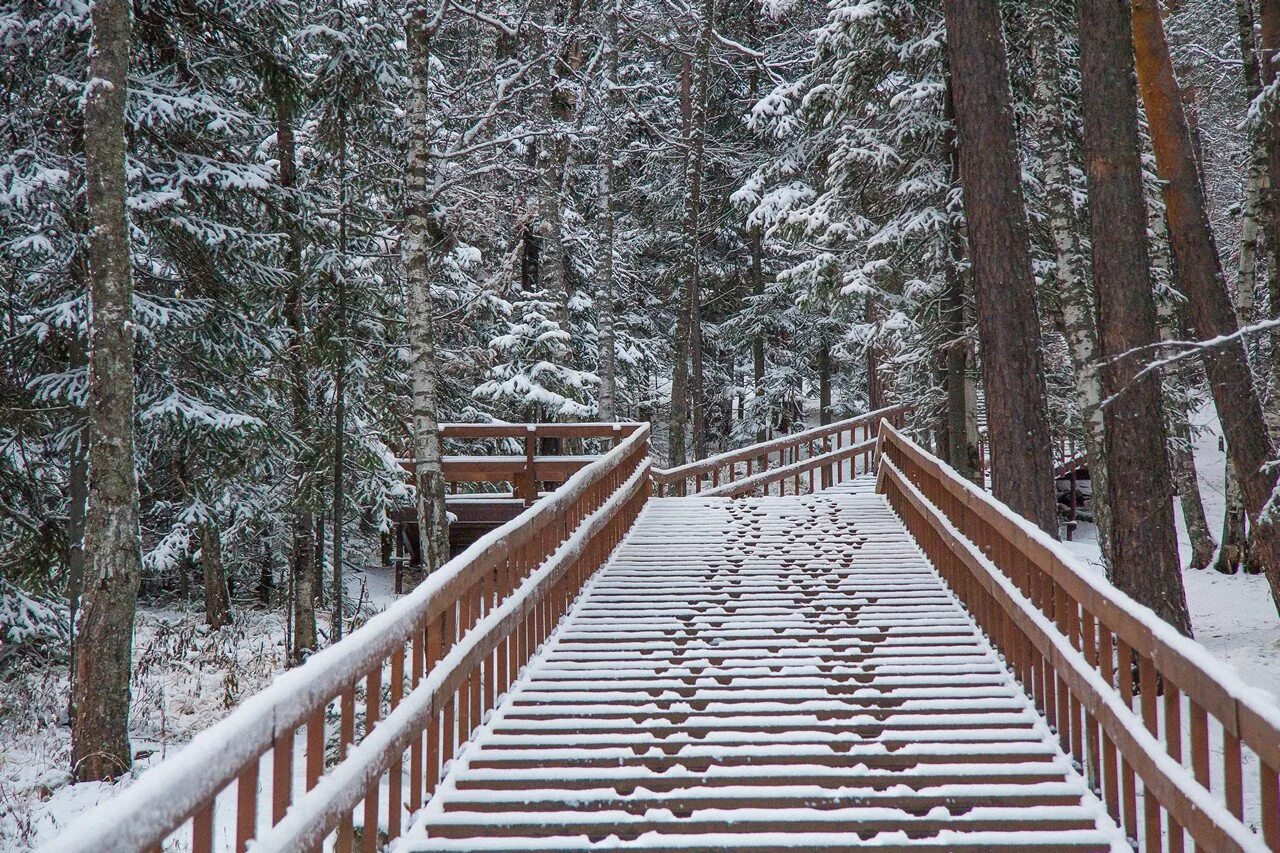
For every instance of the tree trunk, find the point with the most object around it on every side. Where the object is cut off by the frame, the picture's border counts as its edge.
(217, 605)
(608, 153)
(1231, 552)
(1008, 324)
(824, 383)
(757, 341)
(1202, 282)
(423, 236)
(112, 539)
(1267, 55)
(1183, 464)
(302, 553)
(340, 383)
(961, 452)
(77, 500)
(1144, 547)
(691, 224)
(1071, 306)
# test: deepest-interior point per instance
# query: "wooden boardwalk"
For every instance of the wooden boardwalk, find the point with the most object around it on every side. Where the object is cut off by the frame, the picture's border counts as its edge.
(781, 673)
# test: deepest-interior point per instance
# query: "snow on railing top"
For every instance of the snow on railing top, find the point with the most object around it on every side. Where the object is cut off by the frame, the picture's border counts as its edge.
(752, 451)
(170, 793)
(1254, 701)
(311, 819)
(1129, 656)
(1164, 777)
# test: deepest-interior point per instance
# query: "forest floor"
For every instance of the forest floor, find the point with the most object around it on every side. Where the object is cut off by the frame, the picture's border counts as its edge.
(188, 677)
(1232, 615)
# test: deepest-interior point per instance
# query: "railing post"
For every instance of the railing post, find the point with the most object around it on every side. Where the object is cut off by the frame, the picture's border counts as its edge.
(526, 485)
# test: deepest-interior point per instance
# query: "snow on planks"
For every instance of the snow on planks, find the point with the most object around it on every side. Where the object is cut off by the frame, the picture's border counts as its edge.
(767, 674)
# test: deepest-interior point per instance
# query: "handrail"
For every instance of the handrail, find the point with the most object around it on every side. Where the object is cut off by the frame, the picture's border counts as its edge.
(610, 429)
(827, 463)
(220, 770)
(526, 471)
(307, 825)
(1133, 701)
(787, 450)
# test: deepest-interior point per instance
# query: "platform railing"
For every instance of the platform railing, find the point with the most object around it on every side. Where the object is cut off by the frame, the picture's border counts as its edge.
(1173, 744)
(803, 461)
(345, 748)
(525, 469)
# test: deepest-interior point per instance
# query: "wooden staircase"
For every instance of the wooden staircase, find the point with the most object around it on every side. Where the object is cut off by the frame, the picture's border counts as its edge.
(766, 674)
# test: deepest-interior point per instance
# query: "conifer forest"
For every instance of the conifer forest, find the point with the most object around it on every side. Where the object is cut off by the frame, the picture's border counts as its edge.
(256, 255)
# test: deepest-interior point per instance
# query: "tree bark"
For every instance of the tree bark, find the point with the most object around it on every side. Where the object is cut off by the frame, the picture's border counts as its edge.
(1231, 551)
(1268, 53)
(824, 383)
(608, 153)
(1008, 323)
(112, 540)
(423, 237)
(1144, 546)
(678, 421)
(78, 501)
(340, 383)
(1071, 306)
(757, 341)
(302, 558)
(1201, 278)
(961, 451)
(691, 223)
(217, 604)
(1183, 465)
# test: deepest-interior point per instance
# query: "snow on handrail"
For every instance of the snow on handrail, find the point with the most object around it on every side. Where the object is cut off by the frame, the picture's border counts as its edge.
(1255, 702)
(340, 790)
(167, 795)
(735, 488)
(1192, 805)
(1096, 617)
(752, 451)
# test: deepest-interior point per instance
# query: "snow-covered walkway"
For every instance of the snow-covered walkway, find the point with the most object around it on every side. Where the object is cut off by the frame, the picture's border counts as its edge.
(765, 674)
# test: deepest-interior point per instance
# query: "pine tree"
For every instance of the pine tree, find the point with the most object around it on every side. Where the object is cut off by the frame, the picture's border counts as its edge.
(1144, 550)
(100, 730)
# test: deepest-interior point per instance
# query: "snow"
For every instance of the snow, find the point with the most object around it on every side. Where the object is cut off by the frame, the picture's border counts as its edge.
(172, 789)
(1232, 615)
(186, 677)
(1200, 799)
(643, 699)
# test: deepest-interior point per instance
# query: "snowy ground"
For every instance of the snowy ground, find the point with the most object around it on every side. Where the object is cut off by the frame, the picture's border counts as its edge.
(1233, 615)
(186, 678)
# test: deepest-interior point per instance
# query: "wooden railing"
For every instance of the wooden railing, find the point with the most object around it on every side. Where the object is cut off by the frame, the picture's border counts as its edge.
(523, 470)
(810, 460)
(1140, 708)
(365, 727)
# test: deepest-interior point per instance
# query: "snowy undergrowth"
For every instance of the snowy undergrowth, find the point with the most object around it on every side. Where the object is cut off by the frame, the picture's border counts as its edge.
(1232, 615)
(186, 677)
